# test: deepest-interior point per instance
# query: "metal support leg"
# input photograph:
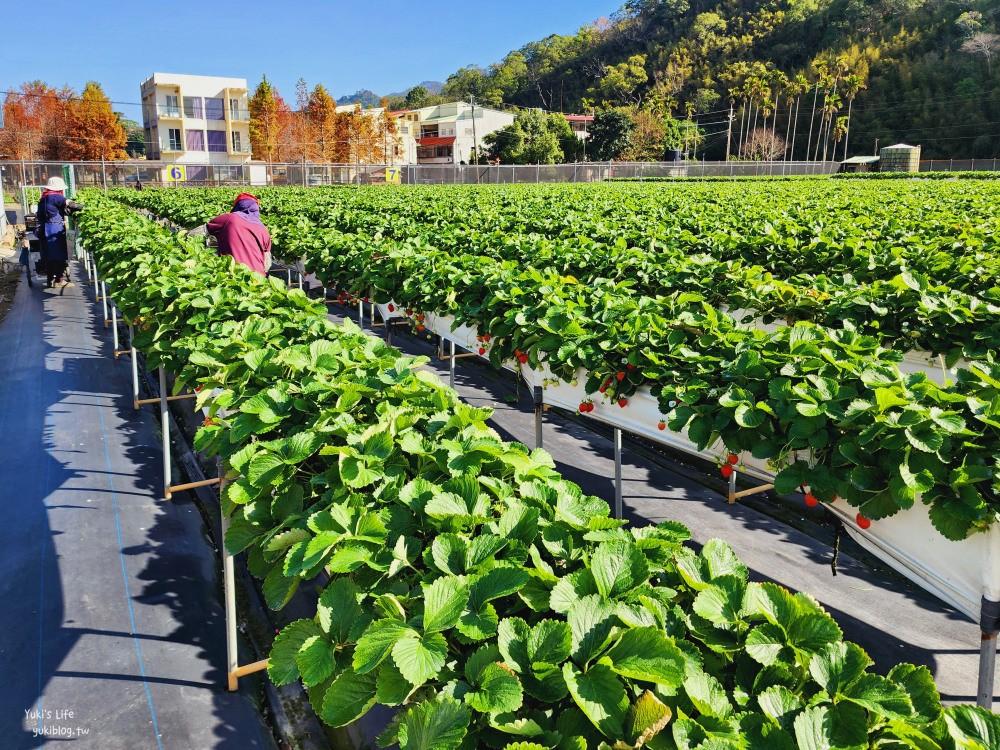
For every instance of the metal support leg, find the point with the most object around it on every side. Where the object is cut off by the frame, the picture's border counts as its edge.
(619, 510)
(229, 591)
(114, 327)
(538, 396)
(989, 624)
(732, 487)
(165, 432)
(372, 311)
(361, 313)
(451, 365)
(104, 302)
(135, 366)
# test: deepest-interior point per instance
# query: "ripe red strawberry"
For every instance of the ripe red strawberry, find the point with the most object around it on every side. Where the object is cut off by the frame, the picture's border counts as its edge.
(623, 402)
(479, 338)
(420, 318)
(602, 389)
(365, 300)
(209, 421)
(486, 338)
(392, 308)
(863, 522)
(811, 500)
(620, 376)
(409, 312)
(523, 359)
(482, 351)
(197, 388)
(420, 329)
(734, 459)
(727, 470)
(662, 425)
(630, 367)
(583, 407)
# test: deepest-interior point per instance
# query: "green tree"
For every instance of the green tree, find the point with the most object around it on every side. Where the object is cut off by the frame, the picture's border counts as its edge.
(609, 134)
(416, 97)
(531, 139)
(622, 82)
(475, 82)
(135, 143)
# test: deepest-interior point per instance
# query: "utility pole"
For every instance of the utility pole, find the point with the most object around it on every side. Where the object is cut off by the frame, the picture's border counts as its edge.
(475, 138)
(729, 131)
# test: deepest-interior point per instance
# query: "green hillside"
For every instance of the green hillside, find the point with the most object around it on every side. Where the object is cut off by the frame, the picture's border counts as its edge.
(920, 71)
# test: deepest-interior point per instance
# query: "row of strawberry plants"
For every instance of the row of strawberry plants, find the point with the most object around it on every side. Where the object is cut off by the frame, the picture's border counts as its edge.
(899, 303)
(877, 440)
(471, 586)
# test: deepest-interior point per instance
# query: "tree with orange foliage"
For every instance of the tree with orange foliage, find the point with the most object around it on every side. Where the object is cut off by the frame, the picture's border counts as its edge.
(321, 112)
(94, 129)
(37, 119)
(265, 128)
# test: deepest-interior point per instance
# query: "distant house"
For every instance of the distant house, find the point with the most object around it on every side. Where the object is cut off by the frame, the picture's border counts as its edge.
(580, 125)
(200, 122)
(449, 133)
(441, 134)
(860, 164)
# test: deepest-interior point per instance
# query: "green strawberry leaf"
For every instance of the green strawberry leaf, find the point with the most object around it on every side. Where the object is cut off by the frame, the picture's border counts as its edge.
(434, 725)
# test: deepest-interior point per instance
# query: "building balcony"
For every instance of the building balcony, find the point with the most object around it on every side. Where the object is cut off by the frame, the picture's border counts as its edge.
(173, 113)
(171, 147)
(241, 150)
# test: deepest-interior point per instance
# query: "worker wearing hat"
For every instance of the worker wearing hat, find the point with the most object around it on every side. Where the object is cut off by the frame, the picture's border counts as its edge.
(52, 209)
(242, 235)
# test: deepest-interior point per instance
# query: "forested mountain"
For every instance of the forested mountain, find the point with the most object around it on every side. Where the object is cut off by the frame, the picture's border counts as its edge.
(835, 73)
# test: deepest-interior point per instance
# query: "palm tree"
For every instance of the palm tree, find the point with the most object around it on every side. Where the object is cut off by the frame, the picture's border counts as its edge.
(745, 94)
(852, 85)
(800, 84)
(779, 80)
(833, 105)
(820, 68)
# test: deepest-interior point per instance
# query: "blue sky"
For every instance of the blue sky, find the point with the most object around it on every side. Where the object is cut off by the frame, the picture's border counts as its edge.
(382, 45)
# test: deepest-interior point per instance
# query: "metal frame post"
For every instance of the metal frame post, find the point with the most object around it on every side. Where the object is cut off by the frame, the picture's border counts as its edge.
(165, 432)
(114, 328)
(619, 509)
(135, 366)
(451, 365)
(989, 624)
(104, 302)
(361, 313)
(538, 395)
(229, 592)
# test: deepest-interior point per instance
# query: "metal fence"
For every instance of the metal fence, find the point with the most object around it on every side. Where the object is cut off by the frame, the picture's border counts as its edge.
(13, 174)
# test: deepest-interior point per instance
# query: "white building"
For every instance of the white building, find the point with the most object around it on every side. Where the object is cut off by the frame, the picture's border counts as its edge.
(441, 134)
(402, 149)
(450, 132)
(202, 122)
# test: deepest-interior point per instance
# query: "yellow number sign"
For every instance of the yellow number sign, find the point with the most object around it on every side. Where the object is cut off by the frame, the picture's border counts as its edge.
(393, 176)
(177, 173)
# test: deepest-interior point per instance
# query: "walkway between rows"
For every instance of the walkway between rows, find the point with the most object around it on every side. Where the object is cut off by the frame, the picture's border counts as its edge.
(110, 598)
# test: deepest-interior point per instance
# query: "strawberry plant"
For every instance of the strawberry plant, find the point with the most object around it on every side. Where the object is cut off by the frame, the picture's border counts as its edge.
(485, 598)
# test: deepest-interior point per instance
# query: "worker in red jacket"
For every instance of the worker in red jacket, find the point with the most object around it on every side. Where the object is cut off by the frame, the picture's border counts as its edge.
(242, 235)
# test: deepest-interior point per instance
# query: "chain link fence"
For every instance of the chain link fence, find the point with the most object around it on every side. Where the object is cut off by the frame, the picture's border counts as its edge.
(14, 174)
